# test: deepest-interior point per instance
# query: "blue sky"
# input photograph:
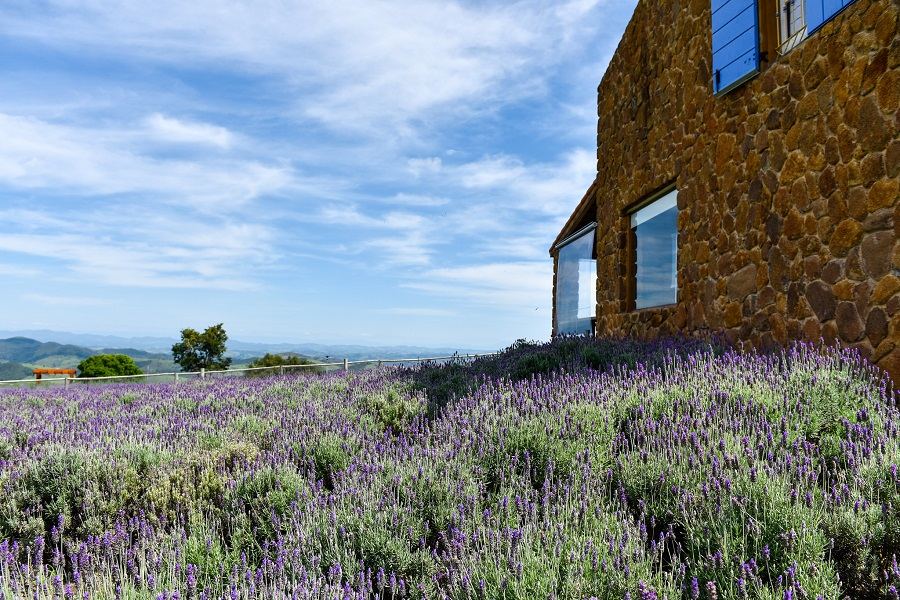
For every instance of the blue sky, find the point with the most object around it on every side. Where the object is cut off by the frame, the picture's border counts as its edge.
(345, 171)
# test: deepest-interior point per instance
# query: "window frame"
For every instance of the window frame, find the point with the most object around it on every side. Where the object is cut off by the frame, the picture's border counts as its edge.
(788, 37)
(581, 232)
(791, 27)
(631, 243)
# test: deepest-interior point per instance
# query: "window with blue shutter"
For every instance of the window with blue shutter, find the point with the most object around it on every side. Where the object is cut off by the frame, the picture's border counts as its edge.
(819, 11)
(735, 42)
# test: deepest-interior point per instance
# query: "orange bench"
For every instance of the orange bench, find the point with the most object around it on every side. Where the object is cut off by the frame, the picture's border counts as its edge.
(39, 372)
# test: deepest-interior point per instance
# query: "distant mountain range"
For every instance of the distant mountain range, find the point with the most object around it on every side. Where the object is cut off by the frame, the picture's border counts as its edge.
(19, 355)
(24, 350)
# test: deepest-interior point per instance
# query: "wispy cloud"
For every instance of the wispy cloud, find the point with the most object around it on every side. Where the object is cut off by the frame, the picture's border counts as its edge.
(17, 271)
(169, 129)
(414, 154)
(41, 155)
(65, 301)
(161, 249)
(552, 188)
(363, 65)
(519, 285)
(417, 312)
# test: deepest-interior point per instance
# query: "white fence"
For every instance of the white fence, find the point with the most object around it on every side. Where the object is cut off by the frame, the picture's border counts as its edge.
(177, 376)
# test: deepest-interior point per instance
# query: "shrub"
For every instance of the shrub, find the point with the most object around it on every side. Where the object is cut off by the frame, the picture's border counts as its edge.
(393, 408)
(330, 456)
(254, 429)
(264, 497)
(108, 365)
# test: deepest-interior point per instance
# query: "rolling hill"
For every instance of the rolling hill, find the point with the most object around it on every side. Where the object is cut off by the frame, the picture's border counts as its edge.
(13, 370)
(21, 354)
(239, 350)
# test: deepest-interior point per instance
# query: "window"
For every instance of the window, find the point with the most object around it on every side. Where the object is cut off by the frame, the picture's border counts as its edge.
(576, 283)
(655, 249)
(800, 17)
(743, 32)
(792, 24)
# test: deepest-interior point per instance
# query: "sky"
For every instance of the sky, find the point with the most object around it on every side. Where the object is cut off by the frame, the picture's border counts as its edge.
(349, 171)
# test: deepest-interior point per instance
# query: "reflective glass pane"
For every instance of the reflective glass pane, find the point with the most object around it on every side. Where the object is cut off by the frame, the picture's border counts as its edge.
(656, 233)
(576, 286)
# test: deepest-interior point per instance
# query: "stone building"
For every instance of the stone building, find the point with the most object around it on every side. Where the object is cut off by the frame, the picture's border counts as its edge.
(748, 168)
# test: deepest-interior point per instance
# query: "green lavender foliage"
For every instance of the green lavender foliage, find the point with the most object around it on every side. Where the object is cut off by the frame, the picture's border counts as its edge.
(682, 471)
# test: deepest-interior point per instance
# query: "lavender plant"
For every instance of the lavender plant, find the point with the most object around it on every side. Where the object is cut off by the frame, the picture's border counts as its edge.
(578, 469)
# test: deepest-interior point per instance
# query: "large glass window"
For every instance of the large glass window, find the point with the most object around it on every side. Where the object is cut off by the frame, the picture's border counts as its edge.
(655, 236)
(576, 284)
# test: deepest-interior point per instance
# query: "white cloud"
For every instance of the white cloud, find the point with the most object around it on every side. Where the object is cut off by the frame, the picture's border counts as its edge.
(169, 129)
(422, 166)
(17, 271)
(146, 174)
(137, 264)
(65, 301)
(370, 66)
(415, 200)
(39, 154)
(551, 188)
(523, 285)
(418, 312)
(158, 248)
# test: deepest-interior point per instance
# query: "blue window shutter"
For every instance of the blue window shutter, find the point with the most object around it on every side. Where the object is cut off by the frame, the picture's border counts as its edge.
(735, 42)
(819, 11)
(815, 14)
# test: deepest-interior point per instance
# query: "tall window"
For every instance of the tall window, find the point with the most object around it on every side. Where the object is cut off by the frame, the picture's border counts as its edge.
(793, 24)
(655, 237)
(576, 283)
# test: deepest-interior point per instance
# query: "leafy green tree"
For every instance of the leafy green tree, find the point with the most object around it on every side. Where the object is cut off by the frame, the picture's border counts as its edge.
(278, 360)
(204, 350)
(108, 365)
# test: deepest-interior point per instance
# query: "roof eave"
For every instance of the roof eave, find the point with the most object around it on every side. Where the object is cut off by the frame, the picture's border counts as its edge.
(575, 221)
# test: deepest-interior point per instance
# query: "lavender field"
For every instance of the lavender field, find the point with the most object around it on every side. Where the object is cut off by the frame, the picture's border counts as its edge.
(581, 469)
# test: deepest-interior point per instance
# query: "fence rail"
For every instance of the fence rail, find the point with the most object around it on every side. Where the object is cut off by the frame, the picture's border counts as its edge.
(281, 370)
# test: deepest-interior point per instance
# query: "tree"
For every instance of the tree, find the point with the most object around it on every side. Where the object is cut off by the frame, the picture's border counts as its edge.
(204, 350)
(108, 365)
(278, 360)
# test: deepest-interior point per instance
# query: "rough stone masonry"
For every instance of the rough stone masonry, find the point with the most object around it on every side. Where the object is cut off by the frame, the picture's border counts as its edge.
(787, 186)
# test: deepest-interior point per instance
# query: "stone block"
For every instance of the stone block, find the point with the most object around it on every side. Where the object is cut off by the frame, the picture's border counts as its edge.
(876, 251)
(883, 194)
(873, 130)
(821, 299)
(849, 324)
(887, 287)
(877, 326)
(743, 282)
(846, 235)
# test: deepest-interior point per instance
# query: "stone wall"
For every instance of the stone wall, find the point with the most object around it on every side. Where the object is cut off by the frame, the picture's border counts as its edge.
(788, 185)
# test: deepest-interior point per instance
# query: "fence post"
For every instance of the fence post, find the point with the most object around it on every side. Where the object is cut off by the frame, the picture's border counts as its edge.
(346, 365)
(202, 372)
(67, 382)
(176, 378)
(281, 370)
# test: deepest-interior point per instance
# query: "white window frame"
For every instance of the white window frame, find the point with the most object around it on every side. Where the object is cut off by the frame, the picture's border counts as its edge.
(792, 24)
